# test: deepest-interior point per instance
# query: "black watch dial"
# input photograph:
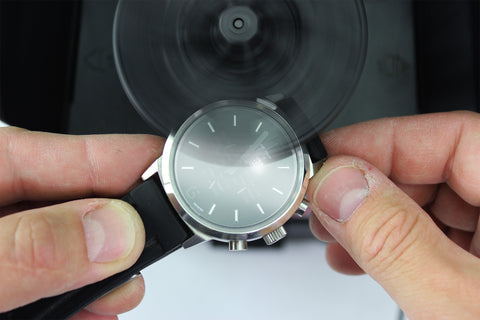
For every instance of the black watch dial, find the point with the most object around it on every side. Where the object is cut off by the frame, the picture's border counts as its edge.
(236, 167)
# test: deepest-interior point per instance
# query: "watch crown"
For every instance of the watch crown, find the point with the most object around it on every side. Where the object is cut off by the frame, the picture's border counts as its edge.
(275, 235)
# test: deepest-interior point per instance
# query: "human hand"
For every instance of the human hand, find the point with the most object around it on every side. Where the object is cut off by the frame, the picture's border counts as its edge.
(49, 244)
(409, 216)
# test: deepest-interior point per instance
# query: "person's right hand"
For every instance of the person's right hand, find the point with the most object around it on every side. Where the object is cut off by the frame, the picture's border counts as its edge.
(409, 214)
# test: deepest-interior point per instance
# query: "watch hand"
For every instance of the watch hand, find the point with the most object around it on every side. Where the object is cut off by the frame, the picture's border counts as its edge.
(210, 186)
(241, 190)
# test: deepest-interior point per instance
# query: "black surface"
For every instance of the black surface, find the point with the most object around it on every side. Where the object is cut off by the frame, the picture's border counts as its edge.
(37, 62)
(164, 233)
(448, 57)
(49, 47)
(100, 104)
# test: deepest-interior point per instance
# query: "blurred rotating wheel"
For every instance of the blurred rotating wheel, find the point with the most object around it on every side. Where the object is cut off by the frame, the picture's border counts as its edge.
(176, 56)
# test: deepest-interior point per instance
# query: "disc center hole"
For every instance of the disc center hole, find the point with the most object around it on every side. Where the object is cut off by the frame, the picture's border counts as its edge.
(238, 23)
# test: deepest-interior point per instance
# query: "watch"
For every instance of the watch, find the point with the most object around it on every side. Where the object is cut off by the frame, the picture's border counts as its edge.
(234, 172)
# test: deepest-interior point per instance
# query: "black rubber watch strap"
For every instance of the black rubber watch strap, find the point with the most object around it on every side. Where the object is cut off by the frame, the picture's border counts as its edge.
(316, 149)
(297, 119)
(165, 232)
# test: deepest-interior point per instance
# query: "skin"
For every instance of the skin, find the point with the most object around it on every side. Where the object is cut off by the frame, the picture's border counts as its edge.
(416, 233)
(42, 174)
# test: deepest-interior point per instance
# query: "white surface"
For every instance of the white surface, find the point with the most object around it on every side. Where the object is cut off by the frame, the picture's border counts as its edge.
(293, 282)
(3, 124)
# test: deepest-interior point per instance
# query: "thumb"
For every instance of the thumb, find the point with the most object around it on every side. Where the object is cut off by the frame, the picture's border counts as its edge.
(48, 251)
(393, 239)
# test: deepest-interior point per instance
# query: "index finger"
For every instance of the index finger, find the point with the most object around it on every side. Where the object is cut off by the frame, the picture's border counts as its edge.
(46, 166)
(420, 149)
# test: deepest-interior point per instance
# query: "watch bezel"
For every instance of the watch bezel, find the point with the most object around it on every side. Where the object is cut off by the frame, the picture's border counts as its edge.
(206, 232)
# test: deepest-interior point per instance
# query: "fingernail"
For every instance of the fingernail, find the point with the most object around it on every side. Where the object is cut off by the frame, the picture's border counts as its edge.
(341, 192)
(109, 232)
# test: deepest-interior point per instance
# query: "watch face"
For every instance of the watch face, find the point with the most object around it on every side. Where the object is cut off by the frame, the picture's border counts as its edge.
(236, 167)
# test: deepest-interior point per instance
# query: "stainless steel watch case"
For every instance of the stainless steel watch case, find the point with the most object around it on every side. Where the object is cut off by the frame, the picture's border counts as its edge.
(271, 232)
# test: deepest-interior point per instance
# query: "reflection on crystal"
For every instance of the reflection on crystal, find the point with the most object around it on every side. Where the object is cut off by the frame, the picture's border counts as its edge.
(257, 165)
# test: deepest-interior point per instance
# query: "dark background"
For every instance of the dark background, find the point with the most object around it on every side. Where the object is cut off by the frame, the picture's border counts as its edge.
(57, 72)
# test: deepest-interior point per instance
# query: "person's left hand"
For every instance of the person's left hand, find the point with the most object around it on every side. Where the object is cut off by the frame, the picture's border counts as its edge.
(50, 244)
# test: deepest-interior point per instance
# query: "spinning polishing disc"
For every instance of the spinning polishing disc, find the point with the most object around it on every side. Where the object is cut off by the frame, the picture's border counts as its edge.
(176, 56)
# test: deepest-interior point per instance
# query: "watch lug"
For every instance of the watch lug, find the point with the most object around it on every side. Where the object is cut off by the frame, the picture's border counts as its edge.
(317, 166)
(193, 241)
(267, 102)
(275, 97)
(309, 166)
(153, 169)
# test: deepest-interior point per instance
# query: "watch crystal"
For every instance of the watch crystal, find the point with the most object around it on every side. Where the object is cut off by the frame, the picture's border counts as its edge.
(236, 168)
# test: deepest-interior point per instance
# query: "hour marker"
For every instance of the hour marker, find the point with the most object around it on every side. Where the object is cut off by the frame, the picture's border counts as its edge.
(234, 120)
(194, 144)
(277, 191)
(241, 190)
(198, 207)
(211, 127)
(260, 208)
(212, 208)
(283, 167)
(236, 215)
(259, 126)
(188, 168)
(211, 185)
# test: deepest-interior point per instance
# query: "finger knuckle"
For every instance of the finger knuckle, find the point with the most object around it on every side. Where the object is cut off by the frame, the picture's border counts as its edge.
(392, 233)
(35, 244)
